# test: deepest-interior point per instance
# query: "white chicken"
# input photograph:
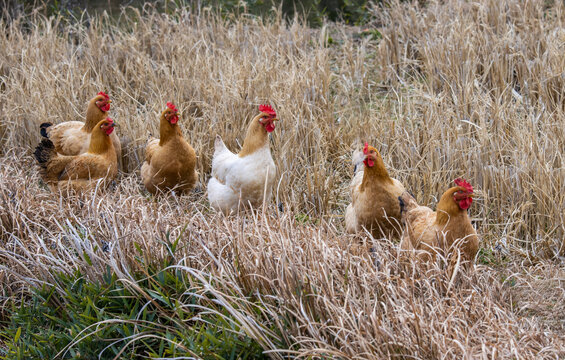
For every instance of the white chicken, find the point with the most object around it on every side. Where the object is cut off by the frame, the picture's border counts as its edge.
(245, 179)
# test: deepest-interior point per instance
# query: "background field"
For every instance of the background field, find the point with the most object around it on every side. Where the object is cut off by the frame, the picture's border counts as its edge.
(443, 90)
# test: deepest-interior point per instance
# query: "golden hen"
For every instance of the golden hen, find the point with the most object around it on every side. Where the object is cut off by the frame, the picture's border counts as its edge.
(73, 137)
(444, 231)
(170, 161)
(374, 196)
(79, 172)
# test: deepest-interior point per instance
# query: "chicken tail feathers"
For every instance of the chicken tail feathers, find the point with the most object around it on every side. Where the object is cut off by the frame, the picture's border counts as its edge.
(43, 129)
(44, 152)
(357, 160)
(402, 204)
(406, 202)
(219, 145)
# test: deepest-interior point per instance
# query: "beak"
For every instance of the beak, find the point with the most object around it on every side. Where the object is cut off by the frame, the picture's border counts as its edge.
(178, 114)
(109, 101)
(275, 119)
(113, 125)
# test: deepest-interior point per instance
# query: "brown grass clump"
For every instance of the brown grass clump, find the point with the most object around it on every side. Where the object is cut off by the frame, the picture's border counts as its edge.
(325, 293)
(452, 89)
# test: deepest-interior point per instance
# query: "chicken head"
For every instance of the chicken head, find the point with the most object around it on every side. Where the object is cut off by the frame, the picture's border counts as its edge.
(102, 101)
(171, 114)
(268, 117)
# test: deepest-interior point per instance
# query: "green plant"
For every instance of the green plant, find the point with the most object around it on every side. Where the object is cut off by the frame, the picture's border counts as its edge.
(160, 315)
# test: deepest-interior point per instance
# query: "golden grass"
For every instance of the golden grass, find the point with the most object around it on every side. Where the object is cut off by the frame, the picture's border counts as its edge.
(471, 89)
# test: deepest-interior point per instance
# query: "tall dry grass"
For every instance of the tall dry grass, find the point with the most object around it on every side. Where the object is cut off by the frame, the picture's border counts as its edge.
(323, 294)
(452, 89)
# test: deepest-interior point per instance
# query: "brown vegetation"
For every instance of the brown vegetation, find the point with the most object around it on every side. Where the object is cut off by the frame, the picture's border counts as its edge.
(472, 89)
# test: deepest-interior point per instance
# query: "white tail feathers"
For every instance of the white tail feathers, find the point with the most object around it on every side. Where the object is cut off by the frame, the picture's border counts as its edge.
(357, 160)
(219, 144)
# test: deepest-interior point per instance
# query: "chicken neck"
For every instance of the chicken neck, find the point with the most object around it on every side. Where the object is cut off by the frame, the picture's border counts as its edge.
(99, 142)
(447, 208)
(375, 174)
(93, 116)
(168, 131)
(255, 138)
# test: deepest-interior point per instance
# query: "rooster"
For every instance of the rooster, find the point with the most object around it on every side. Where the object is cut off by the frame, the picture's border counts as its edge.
(449, 228)
(169, 160)
(79, 172)
(73, 137)
(248, 177)
(374, 197)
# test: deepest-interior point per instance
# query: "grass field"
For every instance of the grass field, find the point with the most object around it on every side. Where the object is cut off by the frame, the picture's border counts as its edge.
(444, 90)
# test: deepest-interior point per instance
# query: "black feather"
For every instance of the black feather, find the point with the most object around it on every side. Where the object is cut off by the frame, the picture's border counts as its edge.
(43, 129)
(44, 151)
(401, 203)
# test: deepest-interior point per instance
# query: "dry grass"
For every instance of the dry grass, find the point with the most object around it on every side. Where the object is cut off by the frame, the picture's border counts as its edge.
(469, 89)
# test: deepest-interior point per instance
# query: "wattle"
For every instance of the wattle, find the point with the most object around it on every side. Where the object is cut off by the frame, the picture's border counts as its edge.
(368, 162)
(465, 203)
(270, 126)
(105, 108)
(109, 131)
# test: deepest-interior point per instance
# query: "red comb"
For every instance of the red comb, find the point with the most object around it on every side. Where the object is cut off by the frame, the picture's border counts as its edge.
(366, 148)
(172, 106)
(464, 184)
(267, 109)
(104, 94)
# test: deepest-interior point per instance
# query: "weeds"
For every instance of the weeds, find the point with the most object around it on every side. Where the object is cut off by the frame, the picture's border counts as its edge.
(448, 89)
(162, 315)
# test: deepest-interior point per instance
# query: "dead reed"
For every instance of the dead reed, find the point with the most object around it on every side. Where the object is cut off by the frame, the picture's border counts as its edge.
(454, 88)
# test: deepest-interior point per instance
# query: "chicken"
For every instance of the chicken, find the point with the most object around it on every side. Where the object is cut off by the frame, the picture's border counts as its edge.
(170, 160)
(79, 172)
(428, 233)
(374, 196)
(248, 177)
(73, 137)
